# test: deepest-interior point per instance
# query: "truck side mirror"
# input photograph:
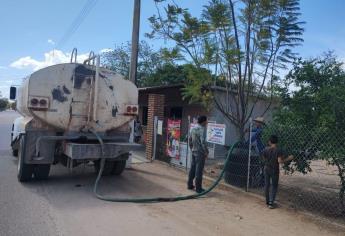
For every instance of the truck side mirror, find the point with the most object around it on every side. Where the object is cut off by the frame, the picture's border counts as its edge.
(13, 92)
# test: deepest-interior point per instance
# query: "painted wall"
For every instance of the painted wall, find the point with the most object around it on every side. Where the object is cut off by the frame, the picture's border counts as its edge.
(232, 135)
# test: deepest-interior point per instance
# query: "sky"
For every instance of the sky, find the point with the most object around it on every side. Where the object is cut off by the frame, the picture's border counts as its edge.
(30, 31)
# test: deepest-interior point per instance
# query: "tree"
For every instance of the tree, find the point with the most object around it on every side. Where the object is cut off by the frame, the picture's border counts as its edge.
(316, 107)
(13, 105)
(317, 98)
(243, 43)
(119, 59)
(151, 64)
(3, 104)
(168, 74)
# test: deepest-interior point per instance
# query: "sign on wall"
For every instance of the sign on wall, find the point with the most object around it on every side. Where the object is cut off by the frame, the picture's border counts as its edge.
(216, 133)
(159, 127)
(173, 138)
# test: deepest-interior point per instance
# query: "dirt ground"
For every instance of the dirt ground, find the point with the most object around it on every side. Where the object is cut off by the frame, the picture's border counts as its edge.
(74, 211)
(316, 192)
(64, 205)
(222, 212)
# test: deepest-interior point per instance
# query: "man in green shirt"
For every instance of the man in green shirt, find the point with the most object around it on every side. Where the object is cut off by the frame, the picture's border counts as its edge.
(198, 145)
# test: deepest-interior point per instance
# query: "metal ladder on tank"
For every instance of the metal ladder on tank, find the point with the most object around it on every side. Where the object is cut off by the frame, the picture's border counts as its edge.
(92, 98)
(94, 61)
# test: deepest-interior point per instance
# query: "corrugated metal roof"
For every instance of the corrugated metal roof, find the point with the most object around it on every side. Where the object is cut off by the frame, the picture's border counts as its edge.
(161, 87)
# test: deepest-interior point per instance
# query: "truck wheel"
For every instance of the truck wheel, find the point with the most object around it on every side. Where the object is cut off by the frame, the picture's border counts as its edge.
(108, 167)
(14, 150)
(119, 167)
(24, 170)
(41, 172)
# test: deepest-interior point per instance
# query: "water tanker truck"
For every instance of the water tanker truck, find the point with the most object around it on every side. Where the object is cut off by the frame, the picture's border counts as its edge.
(73, 114)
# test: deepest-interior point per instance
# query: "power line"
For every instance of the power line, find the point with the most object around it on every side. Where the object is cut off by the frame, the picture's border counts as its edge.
(77, 21)
(88, 6)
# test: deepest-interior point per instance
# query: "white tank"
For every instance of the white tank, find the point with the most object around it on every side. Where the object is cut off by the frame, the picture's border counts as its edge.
(70, 97)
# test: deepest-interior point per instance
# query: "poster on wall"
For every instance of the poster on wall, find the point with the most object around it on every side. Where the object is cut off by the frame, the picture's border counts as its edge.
(216, 133)
(173, 138)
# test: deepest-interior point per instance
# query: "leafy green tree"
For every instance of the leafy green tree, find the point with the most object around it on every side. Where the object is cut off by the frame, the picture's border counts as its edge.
(187, 74)
(318, 96)
(155, 67)
(167, 74)
(242, 42)
(13, 105)
(119, 59)
(313, 102)
(3, 104)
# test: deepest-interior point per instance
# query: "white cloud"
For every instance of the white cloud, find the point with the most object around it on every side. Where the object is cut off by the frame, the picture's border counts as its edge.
(50, 41)
(105, 50)
(50, 58)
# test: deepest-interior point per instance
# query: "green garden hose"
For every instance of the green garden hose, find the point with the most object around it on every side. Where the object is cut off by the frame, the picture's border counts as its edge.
(153, 199)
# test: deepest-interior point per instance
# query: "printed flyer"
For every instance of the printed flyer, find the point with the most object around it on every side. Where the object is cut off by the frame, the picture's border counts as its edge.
(173, 138)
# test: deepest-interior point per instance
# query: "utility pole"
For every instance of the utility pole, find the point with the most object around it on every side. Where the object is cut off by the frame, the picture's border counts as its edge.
(135, 42)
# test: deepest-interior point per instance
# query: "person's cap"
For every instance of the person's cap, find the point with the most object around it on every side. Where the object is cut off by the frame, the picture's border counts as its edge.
(260, 120)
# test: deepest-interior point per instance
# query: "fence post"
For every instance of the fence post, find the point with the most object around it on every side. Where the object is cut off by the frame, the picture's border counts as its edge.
(155, 122)
(188, 134)
(249, 152)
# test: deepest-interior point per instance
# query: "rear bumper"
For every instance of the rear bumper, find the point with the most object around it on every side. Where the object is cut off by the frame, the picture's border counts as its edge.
(114, 150)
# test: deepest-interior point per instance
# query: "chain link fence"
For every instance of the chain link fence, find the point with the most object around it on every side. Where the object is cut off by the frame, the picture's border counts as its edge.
(313, 181)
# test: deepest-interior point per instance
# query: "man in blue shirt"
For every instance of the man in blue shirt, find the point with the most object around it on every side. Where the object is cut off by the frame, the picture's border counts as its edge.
(256, 134)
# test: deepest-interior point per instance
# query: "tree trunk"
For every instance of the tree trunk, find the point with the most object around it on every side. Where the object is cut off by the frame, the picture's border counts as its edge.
(240, 129)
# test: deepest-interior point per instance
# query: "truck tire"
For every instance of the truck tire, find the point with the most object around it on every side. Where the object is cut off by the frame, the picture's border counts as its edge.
(108, 167)
(41, 172)
(14, 150)
(119, 167)
(24, 170)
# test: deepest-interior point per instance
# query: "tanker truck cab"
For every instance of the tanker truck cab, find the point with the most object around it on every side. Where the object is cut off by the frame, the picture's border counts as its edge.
(72, 114)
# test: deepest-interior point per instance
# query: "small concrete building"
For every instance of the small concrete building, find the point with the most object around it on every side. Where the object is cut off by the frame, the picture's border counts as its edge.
(166, 102)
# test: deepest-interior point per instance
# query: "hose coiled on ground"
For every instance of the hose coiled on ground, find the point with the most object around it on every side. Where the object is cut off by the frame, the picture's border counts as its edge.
(153, 199)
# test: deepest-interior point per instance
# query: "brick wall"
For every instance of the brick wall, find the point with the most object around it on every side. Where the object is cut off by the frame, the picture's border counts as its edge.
(155, 108)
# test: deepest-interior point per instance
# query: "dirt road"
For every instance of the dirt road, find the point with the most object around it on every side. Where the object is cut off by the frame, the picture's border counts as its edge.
(64, 205)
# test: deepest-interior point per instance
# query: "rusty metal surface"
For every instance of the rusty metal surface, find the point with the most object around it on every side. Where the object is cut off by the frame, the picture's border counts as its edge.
(71, 93)
(47, 148)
